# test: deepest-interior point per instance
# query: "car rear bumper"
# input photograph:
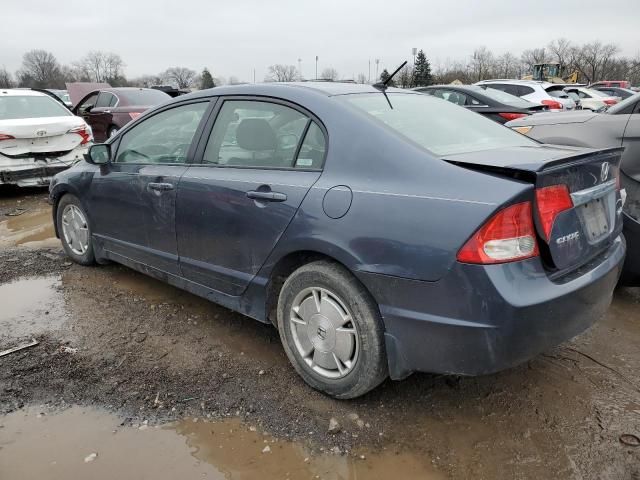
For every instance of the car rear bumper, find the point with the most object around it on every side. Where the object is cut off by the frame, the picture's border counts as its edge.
(482, 319)
(36, 171)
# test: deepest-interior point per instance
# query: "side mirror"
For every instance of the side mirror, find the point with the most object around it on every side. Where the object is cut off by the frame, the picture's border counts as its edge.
(99, 154)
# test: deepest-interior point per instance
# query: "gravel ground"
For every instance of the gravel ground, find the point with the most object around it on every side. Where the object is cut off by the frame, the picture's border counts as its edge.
(114, 339)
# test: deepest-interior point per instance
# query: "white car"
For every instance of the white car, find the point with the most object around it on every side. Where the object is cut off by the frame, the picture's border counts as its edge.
(543, 93)
(591, 99)
(38, 137)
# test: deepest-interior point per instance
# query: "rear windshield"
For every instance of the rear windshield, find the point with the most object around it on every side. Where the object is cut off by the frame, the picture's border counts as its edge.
(506, 98)
(30, 106)
(143, 97)
(438, 126)
(557, 91)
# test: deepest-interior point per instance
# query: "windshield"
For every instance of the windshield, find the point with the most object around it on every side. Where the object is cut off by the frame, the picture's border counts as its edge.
(504, 97)
(30, 106)
(144, 97)
(620, 106)
(438, 126)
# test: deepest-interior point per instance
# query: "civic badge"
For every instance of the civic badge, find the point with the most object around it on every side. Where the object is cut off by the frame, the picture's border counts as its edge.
(41, 132)
(604, 171)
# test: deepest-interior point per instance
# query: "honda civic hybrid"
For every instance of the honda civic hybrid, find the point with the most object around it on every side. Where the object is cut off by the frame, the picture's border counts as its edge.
(381, 231)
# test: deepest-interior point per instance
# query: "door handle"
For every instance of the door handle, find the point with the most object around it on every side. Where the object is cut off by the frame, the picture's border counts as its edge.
(160, 187)
(267, 196)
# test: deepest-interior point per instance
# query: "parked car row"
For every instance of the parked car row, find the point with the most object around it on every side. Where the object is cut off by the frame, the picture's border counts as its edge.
(383, 231)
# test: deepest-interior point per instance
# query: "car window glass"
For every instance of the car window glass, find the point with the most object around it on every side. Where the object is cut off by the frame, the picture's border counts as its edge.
(313, 148)
(473, 101)
(523, 90)
(30, 106)
(103, 99)
(113, 101)
(162, 138)
(89, 102)
(255, 134)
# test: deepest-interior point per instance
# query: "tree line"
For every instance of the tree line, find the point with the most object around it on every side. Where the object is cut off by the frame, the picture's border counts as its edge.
(41, 69)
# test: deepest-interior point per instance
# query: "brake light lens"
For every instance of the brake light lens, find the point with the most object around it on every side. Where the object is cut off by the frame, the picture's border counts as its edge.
(84, 132)
(512, 116)
(610, 101)
(506, 237)
(553, 104)
(4, 136)
(550, 202)
(134, 115)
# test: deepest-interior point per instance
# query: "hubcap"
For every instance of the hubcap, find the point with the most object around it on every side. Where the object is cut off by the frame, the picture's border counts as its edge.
(324, 332)
(75, 229)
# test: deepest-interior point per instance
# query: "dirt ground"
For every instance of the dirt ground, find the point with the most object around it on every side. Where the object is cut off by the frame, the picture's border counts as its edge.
(132, 378)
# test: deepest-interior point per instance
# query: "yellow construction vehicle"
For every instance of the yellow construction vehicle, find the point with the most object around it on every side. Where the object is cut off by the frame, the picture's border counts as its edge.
(550, 72)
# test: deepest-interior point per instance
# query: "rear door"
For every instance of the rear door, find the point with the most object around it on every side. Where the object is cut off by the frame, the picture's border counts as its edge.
(133, 198)
(257, 164)
(100, 116)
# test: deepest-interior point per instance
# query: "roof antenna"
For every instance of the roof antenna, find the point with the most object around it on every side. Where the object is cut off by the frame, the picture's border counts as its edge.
(382, 86)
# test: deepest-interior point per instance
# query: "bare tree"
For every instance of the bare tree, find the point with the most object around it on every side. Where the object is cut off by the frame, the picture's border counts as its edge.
(181, 77)
(39, 69)
(146, 81)
(482, 63)
(594, 59)
(508, 66)
(405, 77)
(530, 57)
(281, 73)
(329, 73)
(102, 67)
(6, 81)
(361, 78)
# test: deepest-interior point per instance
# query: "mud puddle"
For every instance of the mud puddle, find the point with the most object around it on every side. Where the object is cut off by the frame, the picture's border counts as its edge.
(30, 225)
(90, 443)
(30, 307)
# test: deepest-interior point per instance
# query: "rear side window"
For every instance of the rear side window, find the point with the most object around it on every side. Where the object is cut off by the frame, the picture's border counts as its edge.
(30, 106)
(523, 90)
(437, 126)
(263, 135)
(104, 99)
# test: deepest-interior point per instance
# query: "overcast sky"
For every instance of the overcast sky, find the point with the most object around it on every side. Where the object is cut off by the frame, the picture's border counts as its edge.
(237, 36)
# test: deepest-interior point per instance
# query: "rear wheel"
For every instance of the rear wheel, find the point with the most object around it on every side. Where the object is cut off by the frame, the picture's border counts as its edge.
(331, 330)
(74, 229)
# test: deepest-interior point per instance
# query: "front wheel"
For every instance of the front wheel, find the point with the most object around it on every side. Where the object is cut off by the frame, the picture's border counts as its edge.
(331, 330)
(74, 229)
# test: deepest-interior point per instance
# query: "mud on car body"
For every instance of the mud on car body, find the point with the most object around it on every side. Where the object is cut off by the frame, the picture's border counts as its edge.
(381, 231)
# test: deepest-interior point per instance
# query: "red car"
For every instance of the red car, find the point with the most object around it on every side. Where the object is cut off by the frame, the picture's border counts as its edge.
(109, 109)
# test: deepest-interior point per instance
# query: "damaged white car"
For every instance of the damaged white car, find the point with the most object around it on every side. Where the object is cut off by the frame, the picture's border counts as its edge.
(38, 137)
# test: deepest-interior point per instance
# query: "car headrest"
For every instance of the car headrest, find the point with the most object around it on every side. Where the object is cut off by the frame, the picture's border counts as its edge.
(256, 134)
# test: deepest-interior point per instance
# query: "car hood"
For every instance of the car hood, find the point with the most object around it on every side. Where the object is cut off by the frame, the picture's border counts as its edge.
(557, 118)
(77, 90)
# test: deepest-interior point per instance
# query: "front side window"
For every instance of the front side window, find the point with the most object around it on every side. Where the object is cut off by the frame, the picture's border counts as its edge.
(88, 103)
(104, 99)
(30, 106)
(255, 134)
(162, 138)
(437, 126)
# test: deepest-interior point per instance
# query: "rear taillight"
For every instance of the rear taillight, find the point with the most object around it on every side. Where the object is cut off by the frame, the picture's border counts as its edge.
(134, 115)
(512, 116)
(550, 202)
(506, 237)
(84, 132)
(4, 136)
(553, 104)
(610, 101)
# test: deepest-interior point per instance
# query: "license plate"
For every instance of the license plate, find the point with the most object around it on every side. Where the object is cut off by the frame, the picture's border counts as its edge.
(595, 219)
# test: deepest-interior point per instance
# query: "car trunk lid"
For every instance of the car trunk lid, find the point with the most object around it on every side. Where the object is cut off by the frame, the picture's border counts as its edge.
(577, 203)
(38, 135)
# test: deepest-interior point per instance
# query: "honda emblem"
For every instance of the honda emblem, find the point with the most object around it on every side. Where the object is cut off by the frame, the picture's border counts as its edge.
(604, 171)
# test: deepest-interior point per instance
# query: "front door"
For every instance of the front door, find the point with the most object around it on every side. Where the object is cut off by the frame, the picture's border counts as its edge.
(260, 160)
(133, 198)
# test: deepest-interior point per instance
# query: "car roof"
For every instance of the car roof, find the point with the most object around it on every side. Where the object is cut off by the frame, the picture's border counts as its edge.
(14, 92)
(328, 89)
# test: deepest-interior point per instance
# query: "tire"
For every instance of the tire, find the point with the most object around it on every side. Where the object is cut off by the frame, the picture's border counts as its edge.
(347, 361)
(68, 209)
(112, 131)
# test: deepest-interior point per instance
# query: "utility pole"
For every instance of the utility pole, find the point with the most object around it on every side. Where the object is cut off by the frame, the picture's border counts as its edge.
(299, 69)
(254, 75)
(377, 64)
(316, 67)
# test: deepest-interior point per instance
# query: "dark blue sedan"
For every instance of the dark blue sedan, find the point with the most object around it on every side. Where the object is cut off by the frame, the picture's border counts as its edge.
(381, 231)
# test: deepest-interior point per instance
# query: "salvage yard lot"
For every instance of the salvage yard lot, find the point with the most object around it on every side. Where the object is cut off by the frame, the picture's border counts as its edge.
(116, 342)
